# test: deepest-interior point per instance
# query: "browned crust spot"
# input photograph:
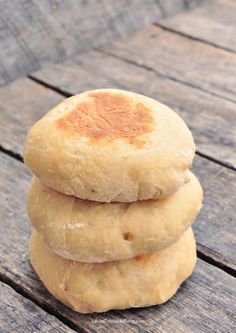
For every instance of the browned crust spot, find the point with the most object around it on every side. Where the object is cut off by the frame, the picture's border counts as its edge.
(144, 259)
(107, 115)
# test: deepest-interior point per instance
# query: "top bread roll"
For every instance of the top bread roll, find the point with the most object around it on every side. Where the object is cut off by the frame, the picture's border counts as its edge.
(111, 145)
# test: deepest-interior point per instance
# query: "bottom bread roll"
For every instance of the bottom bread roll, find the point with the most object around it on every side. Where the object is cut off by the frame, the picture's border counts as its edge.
(98, 287)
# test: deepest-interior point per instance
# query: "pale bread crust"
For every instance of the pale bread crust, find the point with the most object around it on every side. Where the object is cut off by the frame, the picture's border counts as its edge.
(97, 232)
(109, 170)
(99, 287)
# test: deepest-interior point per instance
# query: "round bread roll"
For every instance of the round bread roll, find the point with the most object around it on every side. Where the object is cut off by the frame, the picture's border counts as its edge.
(97, 232)
(98, 287)
(111, 145)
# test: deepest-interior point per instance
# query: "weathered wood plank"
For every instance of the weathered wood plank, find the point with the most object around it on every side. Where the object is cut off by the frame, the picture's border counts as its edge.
(183, 59)
(214, 131)
(216, 228)
(35, 33)
(205, 301)
(18, 314)
(22, 103)
(214, 23)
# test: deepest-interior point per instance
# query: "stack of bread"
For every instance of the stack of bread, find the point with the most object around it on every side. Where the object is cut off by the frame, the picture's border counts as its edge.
(112, 201)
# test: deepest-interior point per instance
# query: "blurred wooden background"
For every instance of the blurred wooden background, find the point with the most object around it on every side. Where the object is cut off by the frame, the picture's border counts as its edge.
(36, 33)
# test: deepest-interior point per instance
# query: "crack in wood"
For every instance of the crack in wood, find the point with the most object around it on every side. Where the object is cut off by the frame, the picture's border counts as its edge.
(213, 262)
(212, 159)
(191, 37)
(49, 86)
(12, 154)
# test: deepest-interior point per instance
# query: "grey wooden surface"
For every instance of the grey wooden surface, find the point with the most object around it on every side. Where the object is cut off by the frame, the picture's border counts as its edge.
(183, 60)
(213, 23)
(22, 315)
(34, 33)
(23, 102)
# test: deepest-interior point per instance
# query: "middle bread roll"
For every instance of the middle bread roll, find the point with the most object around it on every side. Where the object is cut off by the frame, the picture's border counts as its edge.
(89, 231)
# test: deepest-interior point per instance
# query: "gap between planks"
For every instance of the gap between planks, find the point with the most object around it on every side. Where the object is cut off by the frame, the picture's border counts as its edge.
(198, 39)
(207, 258)
(10, 153)
(200, 253)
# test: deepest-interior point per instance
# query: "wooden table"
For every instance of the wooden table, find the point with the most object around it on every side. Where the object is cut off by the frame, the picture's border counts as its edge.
(188, 61)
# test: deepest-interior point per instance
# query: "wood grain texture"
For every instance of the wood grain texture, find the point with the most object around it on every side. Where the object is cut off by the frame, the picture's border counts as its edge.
(182, 59)
(203, 304)
(23, 102)
(35, 33)
(214, 130)
(18, 314)
(213, 23)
